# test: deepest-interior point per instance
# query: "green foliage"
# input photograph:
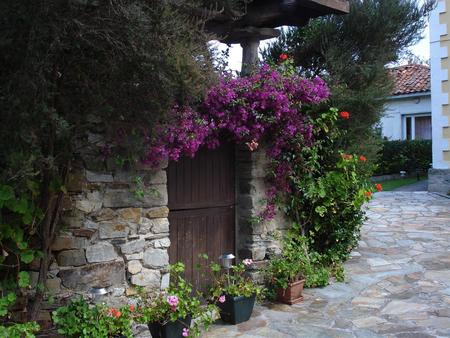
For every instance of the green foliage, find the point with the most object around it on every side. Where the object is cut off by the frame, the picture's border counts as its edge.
(351, 51)
(78, 319)
(328, 191)
(292, 265)
(409, 156)
(18, 214)
(25, 330)
(297, 261)
(66, 67)
(158, 309)
(234, 282)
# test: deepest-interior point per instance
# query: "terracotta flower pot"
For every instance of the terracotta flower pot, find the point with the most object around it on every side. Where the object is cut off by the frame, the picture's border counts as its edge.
(292, 294)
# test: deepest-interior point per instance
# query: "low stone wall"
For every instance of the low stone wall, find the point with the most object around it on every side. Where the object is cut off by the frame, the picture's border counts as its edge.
(115, 230)
(439, 181)
(114, 233)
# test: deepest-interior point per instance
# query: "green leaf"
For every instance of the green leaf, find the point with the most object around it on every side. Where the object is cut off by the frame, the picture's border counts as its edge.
(27, 256)
(24, 279)
(6, 192)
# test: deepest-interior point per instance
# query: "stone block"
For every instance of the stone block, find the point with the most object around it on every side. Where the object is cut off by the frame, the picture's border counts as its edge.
(88, 233)
(155, 195)
(255, 252)
(76, 181)
(165, 280)
(88, 224)
(53, 285)
(161, 243)
(156, 258)
(113, 230)
(439, 181)
(147, 277)
(68, 242)
(159, 212)
(101, 274)
(73, 219)
(105, 214)
(156, 225)
(133, 246)
(139, 255)
(75, 257)
(88, 206)
(134, 267)
(100, 252)
(130, 214)
(159, 177)
(97, 177)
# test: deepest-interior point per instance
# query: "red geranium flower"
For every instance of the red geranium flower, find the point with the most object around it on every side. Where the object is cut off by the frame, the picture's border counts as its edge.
(368, 194)
(346, 156)
(132, 308)
(362, 158)
(379, 187)
(283, 57)
(345, 115)
(114, 312)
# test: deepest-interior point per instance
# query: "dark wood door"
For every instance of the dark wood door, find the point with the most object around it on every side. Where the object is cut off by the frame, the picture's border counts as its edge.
(202, 208)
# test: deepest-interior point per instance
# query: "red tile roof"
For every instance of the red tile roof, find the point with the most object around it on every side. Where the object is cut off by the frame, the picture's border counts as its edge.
(410, 79)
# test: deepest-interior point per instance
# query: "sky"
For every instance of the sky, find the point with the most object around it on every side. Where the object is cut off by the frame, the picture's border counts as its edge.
(421, 49)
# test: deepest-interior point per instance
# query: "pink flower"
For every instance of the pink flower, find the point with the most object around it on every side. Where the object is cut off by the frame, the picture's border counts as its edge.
(173, 302)
(185, 332)
(247, 262)
(222, 299)
(252, 146)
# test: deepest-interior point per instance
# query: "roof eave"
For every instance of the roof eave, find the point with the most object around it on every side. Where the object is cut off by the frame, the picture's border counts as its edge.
(409, 95)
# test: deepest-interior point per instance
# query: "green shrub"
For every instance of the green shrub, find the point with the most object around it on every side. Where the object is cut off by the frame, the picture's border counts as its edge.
(79, 319)
(404, 155)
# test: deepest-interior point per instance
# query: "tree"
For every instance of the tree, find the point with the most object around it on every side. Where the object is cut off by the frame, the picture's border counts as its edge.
(64, 64)
(351, 52)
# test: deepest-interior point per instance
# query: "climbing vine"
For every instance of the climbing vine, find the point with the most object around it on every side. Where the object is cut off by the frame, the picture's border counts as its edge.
(265, 107)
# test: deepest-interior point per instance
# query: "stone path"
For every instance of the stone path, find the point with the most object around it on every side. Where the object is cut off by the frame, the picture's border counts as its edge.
(417, 186)
(397, 285)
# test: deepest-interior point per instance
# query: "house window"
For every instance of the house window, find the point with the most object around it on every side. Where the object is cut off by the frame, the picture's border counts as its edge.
(417, 127)
(423, 128)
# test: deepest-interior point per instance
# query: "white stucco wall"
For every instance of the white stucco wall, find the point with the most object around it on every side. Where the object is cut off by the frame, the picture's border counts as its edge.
(391, 122)
(439, 83)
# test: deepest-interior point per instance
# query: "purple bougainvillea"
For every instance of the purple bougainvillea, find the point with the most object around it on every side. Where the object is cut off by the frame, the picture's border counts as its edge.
(264, 107)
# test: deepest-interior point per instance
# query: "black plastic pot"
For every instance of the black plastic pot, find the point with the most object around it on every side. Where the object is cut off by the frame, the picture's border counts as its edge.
(236, 310)
(170, 329)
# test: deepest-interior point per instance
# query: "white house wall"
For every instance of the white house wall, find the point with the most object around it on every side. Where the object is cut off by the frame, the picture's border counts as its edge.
(439, 76)
(439, 175)
(391, 122)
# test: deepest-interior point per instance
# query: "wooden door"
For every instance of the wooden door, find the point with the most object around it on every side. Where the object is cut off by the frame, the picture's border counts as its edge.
(202, 208)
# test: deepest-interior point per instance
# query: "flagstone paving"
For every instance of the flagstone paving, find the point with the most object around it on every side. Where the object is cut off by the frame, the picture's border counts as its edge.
(397, 284)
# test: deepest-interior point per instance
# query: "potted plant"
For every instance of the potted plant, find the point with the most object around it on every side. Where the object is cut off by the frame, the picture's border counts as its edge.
(287, 272)
(176, 312)
(233, 292)
(79, 319)
(286, 276)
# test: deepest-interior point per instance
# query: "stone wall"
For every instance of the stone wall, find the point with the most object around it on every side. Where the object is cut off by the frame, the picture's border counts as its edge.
(256, 240)
(115, 228)
(114, 233)
(439, 181)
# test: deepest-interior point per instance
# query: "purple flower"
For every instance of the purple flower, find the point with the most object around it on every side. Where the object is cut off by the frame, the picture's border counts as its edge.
(222, 299)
